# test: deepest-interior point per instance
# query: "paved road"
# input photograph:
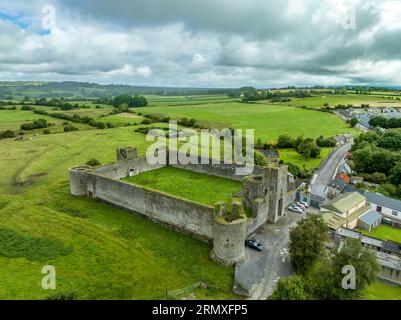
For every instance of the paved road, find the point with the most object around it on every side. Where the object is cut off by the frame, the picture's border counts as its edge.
(260, 272)
(327, 170)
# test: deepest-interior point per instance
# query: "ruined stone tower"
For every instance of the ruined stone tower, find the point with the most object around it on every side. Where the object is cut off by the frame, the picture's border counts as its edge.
(229, 236)
(266, 192)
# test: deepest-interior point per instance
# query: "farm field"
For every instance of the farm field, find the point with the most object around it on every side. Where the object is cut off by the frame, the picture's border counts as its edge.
(333, 100)
(269, 121)
(188, 185)
(292, 156)
(122, 119)
(99, 252)
(12, 120)
(187, 100)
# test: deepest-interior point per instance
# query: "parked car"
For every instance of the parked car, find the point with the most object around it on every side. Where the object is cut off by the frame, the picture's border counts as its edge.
(256, 245)
(299, 204)
(305, 204)
(295, 209)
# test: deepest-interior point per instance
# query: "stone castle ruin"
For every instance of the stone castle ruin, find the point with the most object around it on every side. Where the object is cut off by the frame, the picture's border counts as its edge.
(263, 196)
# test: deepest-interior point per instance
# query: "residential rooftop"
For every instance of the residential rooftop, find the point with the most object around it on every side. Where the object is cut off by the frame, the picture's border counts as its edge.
(344, 202)
(383, 201)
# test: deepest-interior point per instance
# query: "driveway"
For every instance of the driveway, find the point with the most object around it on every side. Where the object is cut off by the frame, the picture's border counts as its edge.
(327, 171)
(258, 275)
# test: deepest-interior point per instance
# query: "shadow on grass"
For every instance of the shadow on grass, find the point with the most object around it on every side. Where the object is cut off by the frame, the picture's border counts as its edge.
(16, 245)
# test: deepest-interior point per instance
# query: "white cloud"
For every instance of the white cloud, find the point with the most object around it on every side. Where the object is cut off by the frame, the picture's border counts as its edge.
(203, 43)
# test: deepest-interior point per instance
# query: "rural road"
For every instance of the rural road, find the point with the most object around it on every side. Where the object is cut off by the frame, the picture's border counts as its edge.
(327, 170)
(261, 271)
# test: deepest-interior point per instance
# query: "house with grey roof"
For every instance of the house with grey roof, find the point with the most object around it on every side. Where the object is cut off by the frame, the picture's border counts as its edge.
(344, 168)
(335, 187)
(370, 220)
(388, 207)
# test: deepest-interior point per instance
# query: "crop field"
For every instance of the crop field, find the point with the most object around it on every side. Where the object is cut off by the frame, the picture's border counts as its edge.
(355, 100)
(99, 252)
(188, 185)
(269, 121)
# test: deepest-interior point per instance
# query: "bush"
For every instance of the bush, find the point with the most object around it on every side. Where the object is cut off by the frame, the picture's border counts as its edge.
(93, 162)
(27, 108)
(325, 143)
(7, 134)
(285, 142)
(61, 296)
(70, 128)
(37, 124)
(46, 131)
(146, 121)
(291, 288)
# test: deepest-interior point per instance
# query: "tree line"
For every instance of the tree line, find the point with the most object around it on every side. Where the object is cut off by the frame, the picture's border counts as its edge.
(386, 123)
(376, 156)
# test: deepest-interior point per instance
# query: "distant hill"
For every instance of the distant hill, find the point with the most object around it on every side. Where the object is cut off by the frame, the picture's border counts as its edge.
(10, 90)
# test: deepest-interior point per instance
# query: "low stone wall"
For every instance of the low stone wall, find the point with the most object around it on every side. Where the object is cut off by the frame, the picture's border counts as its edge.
(205, 166)
(122, 169)
(179, 213)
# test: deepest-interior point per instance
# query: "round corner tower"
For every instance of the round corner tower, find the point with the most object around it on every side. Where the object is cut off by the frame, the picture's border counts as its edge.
(229, 238)
(78, 180)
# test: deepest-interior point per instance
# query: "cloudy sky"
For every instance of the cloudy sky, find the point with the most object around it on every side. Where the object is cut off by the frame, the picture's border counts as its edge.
(202, 43)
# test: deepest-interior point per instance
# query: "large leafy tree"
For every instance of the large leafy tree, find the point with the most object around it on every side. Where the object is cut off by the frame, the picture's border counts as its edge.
(307, 243)
(291, 288)
(327, 277)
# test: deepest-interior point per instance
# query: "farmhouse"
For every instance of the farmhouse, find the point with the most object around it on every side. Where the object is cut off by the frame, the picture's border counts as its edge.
(350, 210)
(389, 208)
(264, 195)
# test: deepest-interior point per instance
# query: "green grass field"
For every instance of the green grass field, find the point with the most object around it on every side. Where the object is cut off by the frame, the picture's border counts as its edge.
(292, 156)
(183, 184)
(354, 99)
(188, 100)
(99, 252)
(122, 119)
(12, 120)
(382, 291)
(269, 121)
(385, 232)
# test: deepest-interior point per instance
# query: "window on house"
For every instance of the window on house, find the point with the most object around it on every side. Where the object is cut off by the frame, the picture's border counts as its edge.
(379, 209)
(394, 213)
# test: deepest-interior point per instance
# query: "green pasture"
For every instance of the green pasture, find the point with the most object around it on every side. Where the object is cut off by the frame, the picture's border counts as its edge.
(188, 185)
(268, 121)
(99, 252)
(292, 156)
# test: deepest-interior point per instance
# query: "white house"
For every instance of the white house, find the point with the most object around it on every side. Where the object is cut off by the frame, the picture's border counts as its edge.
(389, 208)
